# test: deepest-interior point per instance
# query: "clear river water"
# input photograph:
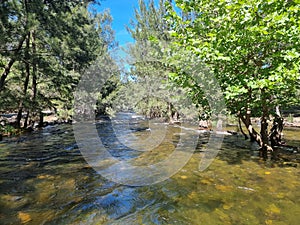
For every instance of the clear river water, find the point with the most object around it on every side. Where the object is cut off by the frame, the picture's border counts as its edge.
(44, 179)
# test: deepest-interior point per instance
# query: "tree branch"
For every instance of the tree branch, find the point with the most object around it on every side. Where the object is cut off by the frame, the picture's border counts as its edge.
(11, 62)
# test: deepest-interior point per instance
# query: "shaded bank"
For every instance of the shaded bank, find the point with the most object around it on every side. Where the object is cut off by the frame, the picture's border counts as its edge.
(9, 126)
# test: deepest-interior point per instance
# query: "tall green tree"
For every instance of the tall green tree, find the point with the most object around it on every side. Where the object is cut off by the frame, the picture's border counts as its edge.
(148, 88)
(252, 47)
(45, 47)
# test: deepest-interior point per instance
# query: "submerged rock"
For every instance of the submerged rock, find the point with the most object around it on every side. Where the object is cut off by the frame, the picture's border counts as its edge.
(291, 164)
(24, 217)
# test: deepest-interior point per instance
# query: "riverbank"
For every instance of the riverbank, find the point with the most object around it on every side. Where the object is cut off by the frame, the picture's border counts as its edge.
(8, 121)
(292, 122)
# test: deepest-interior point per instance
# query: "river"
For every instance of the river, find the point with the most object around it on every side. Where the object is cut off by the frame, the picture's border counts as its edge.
(46, 180)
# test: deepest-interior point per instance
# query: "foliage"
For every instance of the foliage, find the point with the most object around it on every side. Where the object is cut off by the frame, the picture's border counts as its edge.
(252, 48)
(45, 47)
(108, 93)
(8, 130)
(148, 89)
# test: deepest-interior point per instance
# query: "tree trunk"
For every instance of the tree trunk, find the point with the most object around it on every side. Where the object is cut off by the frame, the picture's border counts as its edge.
(34, 68)
(276, 130)
(241, 129)
(11, 62)
(248, 121)
(264, 135)
(262, 139)
(41, 120)
(19, 115)
(26, 37)
(276, 133)
(256, 136)
(172, 113)
(26, 82)
(26, 119)
(34, 104)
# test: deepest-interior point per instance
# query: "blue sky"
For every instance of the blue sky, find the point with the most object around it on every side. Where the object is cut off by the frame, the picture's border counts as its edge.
(122, 11)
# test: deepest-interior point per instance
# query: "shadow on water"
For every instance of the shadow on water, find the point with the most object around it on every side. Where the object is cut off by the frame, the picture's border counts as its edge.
(45, 180)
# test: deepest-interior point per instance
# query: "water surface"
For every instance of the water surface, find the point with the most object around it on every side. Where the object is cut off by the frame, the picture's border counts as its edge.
(44, 179)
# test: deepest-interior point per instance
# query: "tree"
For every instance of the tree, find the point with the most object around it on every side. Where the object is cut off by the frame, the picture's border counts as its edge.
(154, 95)
(45, 47)
(252, 48)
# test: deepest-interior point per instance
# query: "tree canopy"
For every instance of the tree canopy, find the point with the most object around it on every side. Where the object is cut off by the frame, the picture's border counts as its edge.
(44, 47)
(252, 48)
